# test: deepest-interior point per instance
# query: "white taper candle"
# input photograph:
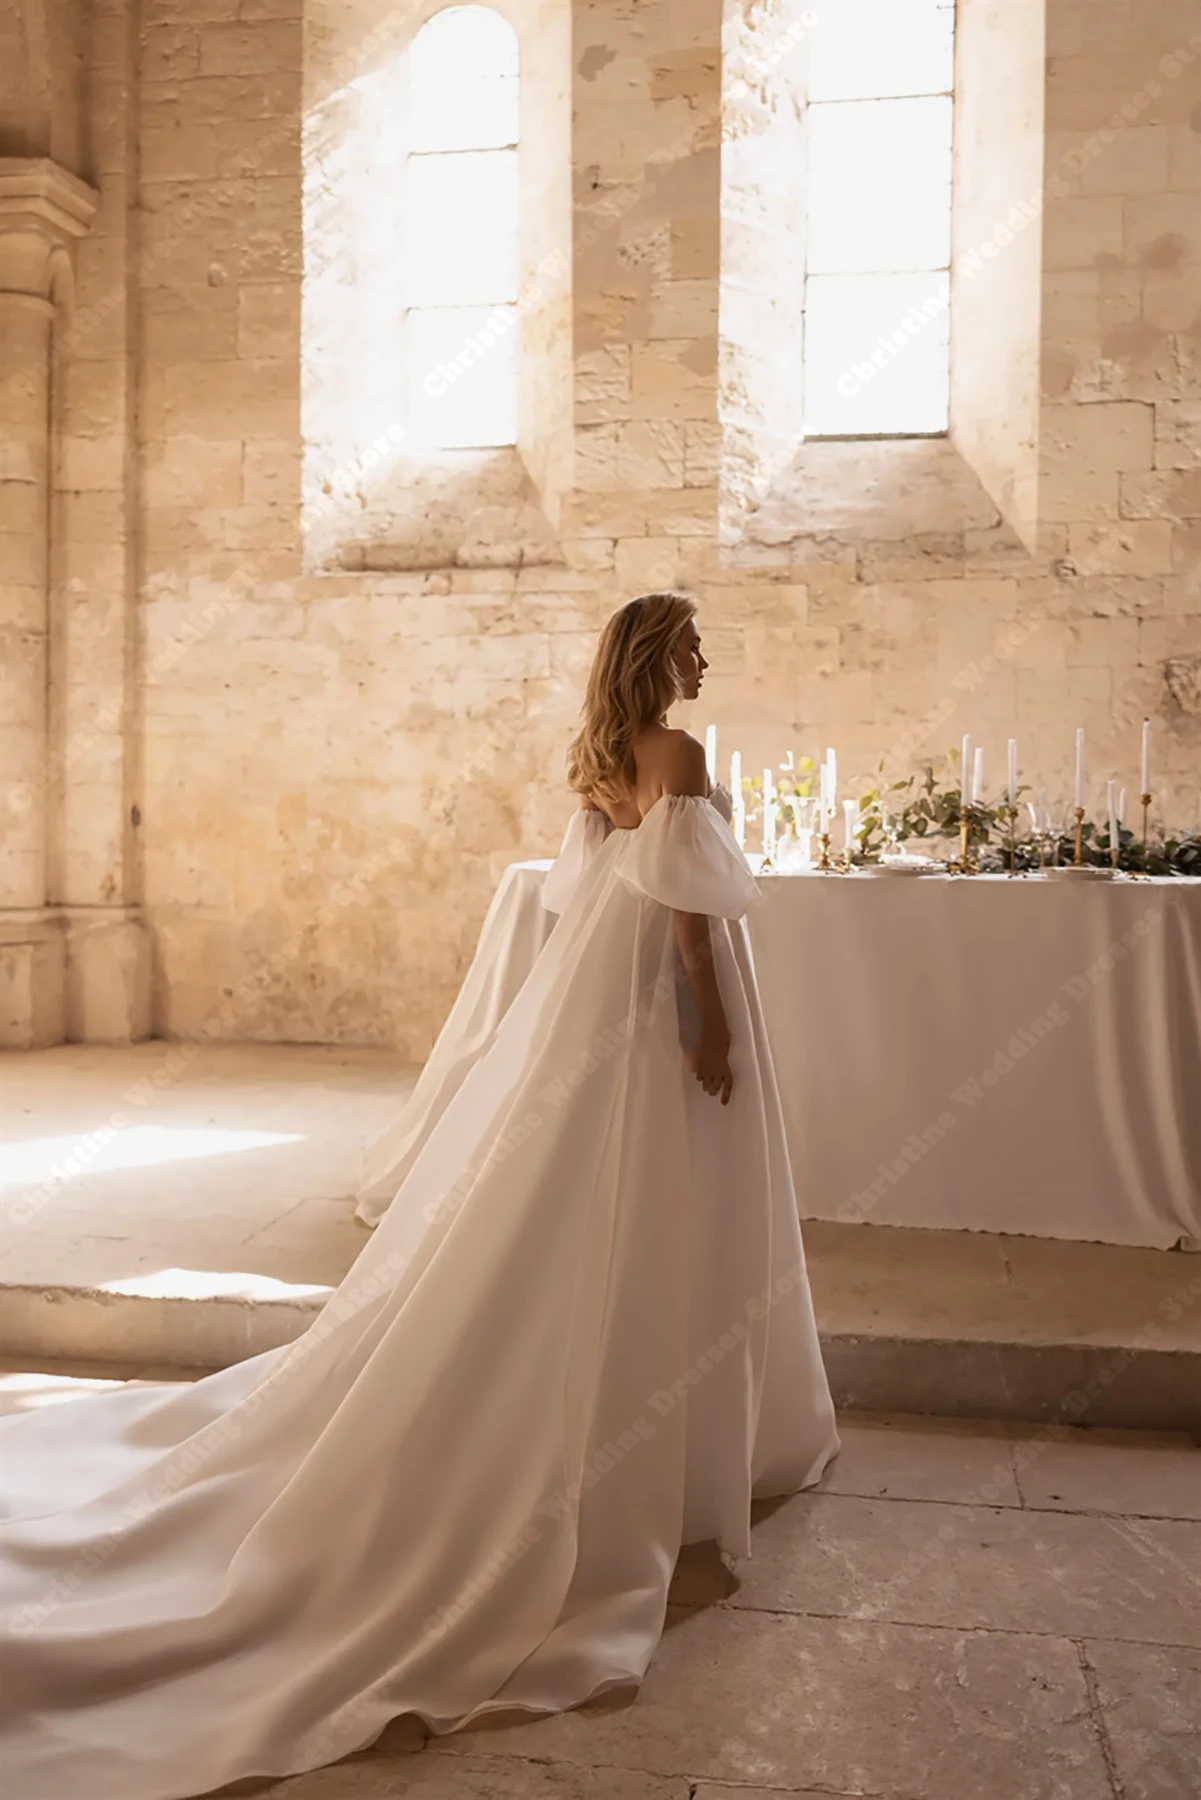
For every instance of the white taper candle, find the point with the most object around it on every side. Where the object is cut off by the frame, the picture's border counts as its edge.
(739, 820)
(965, 771)
(977, 774)
(1013, 771)
(1146, 768)
(1080, 765)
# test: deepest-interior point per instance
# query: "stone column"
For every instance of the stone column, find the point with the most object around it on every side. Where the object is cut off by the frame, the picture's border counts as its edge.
(43, 209)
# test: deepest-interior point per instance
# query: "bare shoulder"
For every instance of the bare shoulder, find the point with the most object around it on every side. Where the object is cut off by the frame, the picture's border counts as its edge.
(673, 762)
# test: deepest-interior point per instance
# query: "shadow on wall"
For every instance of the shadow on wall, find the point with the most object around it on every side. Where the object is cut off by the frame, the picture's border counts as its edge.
(474, 509)
(41, 80)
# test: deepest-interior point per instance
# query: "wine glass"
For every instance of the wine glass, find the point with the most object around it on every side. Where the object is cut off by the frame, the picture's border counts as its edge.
(1061, 817)
(802, 824)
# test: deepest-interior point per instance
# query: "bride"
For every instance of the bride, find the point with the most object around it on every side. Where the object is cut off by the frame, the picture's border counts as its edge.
(581, 1337)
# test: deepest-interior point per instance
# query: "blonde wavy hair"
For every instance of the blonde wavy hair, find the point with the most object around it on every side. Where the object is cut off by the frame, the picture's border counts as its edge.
(632, 683)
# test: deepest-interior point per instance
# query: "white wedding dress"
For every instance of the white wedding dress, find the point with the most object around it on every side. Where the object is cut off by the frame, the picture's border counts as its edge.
(580, 1337)
(508, 945)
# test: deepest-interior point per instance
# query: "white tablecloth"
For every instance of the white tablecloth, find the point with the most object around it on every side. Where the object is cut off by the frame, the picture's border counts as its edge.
(984, 1054)
(1014, 1056)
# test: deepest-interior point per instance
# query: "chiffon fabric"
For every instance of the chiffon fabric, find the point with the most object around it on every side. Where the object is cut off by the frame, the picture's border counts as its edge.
(580, 1337)
(510, 939)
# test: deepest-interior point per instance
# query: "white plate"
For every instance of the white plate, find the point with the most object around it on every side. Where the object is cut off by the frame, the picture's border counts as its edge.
(1086, 872)
(916, 868)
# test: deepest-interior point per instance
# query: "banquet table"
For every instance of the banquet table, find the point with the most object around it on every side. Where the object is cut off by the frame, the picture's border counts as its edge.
(984, 1053)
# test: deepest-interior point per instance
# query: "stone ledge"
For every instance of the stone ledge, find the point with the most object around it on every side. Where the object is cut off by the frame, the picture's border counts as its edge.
(1056, 1384)
(82, 1324)
(31, 924)
(36, 191)
(43, 208)
(1066, 1383)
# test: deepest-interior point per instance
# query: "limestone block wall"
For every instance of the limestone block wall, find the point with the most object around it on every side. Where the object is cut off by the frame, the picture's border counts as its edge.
(331, 770)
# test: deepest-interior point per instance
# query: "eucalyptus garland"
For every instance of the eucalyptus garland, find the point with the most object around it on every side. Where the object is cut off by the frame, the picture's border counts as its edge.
(925, 807)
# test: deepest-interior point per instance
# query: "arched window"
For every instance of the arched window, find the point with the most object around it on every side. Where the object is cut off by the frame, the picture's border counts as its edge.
(460, 231)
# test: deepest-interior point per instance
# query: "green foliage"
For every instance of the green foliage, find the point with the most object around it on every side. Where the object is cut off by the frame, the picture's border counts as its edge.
(926, 807)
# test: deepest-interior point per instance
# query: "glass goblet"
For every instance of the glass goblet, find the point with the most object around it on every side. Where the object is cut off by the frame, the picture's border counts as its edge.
(801, 809)
(890, 825)
(1061, 820)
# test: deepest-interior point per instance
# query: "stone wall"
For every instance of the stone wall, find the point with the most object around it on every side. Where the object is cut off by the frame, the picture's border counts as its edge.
(306, 784)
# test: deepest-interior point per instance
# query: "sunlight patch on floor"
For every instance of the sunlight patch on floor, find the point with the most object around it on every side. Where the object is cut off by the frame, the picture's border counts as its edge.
(212, 1284)
(126, 1147)
(29, 1392)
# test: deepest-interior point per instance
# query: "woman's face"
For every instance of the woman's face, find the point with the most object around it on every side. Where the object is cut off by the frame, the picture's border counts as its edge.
(690, 664)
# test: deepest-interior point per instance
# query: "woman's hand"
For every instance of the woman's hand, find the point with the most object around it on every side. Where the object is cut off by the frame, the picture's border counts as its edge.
(710, 1062)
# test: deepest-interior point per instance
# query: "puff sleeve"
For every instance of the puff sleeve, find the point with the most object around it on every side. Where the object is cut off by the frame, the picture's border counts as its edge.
(584, 836)
(685, 856)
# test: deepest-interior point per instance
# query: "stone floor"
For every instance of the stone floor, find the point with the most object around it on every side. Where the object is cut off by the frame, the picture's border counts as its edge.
(962, 1611)
(239, 1160)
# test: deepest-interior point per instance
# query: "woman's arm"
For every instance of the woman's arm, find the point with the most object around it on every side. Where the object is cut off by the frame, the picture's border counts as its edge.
(710, 1062)
(684, 772)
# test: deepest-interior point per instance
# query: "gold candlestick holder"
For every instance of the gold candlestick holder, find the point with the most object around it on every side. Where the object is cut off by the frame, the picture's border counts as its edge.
(823, 861)
(1078, 851)
(1011, 813)
(965, 865)
(1144, 874)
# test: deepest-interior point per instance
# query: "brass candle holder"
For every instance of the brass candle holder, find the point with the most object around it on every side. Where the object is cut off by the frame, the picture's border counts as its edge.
(1078, 851)
(965, 865)
(1144, 874)
(823, 861)
(767, 862)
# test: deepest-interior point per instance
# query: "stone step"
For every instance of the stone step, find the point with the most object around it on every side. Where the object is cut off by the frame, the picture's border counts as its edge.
(882, 1366)
(179, 1331)
(1056, 1384)
(218, 1221)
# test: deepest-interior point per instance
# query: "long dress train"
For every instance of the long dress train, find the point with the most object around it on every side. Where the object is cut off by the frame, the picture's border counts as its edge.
(502, 960)
(580, 1337)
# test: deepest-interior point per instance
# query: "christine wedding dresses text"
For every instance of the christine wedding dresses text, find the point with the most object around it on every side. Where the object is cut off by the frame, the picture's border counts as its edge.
(580, 1337)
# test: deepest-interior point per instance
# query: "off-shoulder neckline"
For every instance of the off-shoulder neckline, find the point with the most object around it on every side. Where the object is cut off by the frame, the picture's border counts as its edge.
(705, 800)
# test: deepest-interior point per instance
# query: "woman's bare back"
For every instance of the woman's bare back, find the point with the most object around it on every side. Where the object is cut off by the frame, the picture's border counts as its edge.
(665, 762)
